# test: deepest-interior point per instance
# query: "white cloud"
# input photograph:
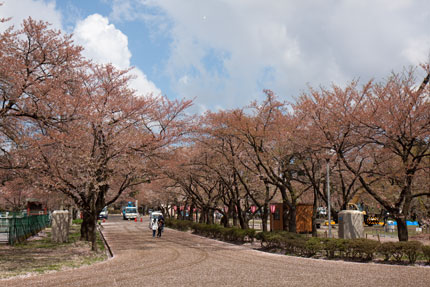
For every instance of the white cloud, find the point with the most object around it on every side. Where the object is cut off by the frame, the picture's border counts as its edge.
(298, 42)
(36, 9)
(417, 49)
(104, 43)
(142, 85)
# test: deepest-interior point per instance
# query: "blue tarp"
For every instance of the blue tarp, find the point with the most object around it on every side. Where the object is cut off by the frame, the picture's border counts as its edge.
(408, 223)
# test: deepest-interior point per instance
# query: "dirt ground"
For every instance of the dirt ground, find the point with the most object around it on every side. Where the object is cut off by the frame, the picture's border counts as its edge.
(423, 238)
(183, 259)
(40, 255)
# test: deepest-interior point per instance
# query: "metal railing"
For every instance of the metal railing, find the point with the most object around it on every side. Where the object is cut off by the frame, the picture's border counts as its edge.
(19, 227)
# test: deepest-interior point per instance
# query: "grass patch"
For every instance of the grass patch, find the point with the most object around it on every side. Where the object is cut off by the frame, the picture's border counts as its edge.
(40, 254)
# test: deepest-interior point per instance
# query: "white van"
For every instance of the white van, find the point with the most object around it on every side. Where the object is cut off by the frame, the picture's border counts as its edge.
(104, 213)
(153, 217)
(129, 212)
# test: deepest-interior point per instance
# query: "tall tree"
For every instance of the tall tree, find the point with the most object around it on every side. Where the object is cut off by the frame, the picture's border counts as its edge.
(380, 133)
(105, 150)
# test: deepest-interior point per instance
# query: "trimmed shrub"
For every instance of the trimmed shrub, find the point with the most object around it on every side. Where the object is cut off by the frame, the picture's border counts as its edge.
(297, 244)
(250, 234)
(228, 233)
(411, 249)
(294, 246)
(214, 230)
(278, 239)
(182, 225)
(262, 237)
(333, 246)
(197, 228)
(426, 253)
(361, 248)
(269, 239)
(312, 246)
(387, 249)
(397, 253)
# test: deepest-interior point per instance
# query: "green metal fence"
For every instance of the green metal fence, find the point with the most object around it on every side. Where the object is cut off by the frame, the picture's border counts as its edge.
(22, 227)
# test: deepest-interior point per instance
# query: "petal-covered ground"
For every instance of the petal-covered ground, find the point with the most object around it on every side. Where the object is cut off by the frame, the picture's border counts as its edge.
(182, 259)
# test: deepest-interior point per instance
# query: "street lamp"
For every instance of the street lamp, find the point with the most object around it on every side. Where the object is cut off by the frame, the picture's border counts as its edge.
(328, 198)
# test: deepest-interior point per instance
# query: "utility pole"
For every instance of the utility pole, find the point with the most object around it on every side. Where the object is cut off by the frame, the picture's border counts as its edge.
(328, 198)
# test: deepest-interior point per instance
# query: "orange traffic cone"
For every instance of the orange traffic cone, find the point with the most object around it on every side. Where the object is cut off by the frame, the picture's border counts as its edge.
(141, 219)
(135, 220)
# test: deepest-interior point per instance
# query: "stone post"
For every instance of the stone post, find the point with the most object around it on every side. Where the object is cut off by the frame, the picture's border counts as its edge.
(351, 224)
(60, 226)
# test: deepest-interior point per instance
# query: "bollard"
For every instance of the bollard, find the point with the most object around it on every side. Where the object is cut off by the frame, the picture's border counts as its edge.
(135, 220)
(141, 219)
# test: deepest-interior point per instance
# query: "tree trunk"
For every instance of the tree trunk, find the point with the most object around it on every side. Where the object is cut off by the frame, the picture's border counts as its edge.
(210, 217)
(191, 214)
(242, 219)
(202, 218)
(225, 220)
(234, 213)
(265, 216)
(402, 228)
(92, 232)
(292, 219)
(314, 214)
(85, 226)
(285, 207)
(88, 229)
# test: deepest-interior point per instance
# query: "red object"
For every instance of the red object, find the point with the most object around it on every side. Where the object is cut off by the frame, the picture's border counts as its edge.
(189, 208)
(253, 208)
(182, 208)
(272, 208)
(135, 220)
(194, 209)
(81, 215)
(104, 220)
(175, 207)
(141, 220)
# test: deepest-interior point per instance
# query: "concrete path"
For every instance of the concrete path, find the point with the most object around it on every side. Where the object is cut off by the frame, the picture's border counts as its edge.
(183, 259)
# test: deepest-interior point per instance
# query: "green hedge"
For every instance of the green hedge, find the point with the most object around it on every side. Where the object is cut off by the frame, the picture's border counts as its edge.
(182, 225)
(299, 245)
(361, 249)
(213, 230)
(348, 249)
(404, 249)
(426, 253)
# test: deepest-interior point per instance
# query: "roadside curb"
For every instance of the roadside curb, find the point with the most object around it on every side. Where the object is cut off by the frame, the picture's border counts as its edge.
(110, 253)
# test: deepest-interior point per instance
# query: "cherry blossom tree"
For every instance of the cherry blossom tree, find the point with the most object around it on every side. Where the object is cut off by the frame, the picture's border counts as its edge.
(380, 133)
(107, 148)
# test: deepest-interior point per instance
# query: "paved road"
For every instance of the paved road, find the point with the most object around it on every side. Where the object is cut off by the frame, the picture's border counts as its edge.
(183, 259)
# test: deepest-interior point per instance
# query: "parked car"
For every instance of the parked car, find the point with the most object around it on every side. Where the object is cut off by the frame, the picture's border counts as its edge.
(104, 213)
(322, 211)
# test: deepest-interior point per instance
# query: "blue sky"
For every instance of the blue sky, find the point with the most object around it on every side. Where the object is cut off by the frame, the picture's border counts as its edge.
(223, 53)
